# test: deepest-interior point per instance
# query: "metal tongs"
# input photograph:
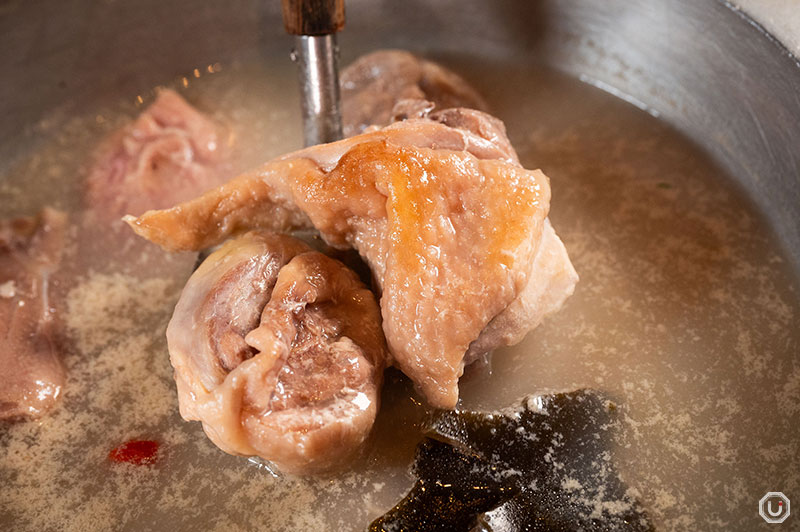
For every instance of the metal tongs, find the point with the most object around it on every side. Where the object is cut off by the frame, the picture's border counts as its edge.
(314, 24)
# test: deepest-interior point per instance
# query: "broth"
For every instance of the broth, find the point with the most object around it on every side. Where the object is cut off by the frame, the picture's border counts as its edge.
(686, 311)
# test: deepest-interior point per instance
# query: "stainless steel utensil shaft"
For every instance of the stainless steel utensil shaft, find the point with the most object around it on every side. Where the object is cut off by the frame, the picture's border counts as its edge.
(317, 61)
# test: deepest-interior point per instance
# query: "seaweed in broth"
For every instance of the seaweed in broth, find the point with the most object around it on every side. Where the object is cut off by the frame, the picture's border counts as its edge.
(542, 465)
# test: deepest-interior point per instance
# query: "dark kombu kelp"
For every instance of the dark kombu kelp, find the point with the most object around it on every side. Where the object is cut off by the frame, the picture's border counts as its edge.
(545, 465)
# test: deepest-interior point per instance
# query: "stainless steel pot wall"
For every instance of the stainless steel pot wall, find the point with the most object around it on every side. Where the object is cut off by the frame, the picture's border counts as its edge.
(729, 390)
(702, 66)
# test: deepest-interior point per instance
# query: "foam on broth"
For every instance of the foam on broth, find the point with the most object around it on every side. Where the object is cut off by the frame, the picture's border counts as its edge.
(686, 315)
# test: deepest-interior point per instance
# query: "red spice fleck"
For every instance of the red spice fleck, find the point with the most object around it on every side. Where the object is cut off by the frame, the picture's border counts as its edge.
(137, 452)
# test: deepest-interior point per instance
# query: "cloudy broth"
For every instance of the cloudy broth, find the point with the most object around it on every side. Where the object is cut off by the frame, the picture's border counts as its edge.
(686, 315)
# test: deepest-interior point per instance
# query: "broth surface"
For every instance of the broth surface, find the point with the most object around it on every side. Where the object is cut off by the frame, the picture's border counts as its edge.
(686, 315)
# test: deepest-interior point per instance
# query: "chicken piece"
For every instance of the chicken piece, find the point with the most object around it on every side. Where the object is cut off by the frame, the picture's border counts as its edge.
(279, 351)
(490, 129)
(551, 282)
(373, 84)
(447, 220)
(31, 373)
(170, 153)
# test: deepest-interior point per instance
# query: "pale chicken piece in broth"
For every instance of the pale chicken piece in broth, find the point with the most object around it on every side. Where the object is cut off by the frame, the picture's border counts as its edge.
(445, 217)
(170, 153)
(374, 83)
(31, 372)
(279, 351)
(551, 282)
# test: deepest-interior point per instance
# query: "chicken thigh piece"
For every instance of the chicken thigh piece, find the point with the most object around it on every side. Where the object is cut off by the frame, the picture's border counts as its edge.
(279, 351)
(374, 83)
(448, 222)
(394, 85)
(170, 153)
(31, 373)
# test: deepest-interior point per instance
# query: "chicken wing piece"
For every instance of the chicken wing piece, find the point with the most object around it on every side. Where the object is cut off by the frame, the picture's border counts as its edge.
(447, 221)
(279, 351)
(31, 373)
(170, 153)
(374, 83)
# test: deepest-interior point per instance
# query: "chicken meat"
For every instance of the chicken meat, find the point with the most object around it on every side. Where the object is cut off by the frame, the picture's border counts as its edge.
(170, 153)
(373, 84)
(279, 351)
(453, 229)
(31, 371)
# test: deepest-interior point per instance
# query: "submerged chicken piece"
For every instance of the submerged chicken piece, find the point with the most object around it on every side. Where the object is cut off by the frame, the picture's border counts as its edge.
(373, 84)
(278, 350)
(31, 373)
(170, 153)
(447, 220)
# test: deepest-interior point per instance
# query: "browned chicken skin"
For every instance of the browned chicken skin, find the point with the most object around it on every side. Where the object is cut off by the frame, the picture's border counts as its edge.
(278, 350)
(31, 373)
(447, 220)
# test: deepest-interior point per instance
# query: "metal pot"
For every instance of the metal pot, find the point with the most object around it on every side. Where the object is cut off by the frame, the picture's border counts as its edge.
(703, 68)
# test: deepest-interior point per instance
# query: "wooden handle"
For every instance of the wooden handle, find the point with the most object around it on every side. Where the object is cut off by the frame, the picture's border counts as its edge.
(313, 17)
